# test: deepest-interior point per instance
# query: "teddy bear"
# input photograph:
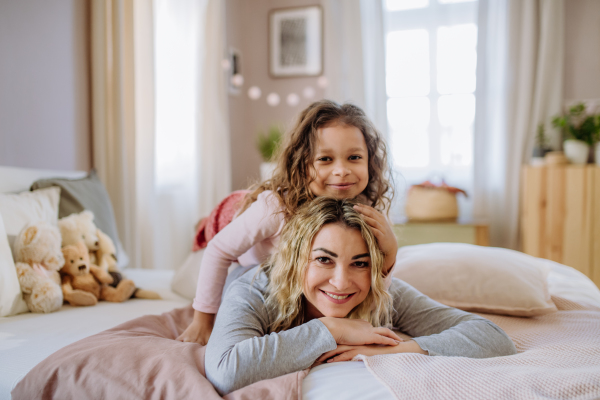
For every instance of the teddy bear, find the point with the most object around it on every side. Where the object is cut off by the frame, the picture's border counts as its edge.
(87, 281)
(102, 251)
(38, 258)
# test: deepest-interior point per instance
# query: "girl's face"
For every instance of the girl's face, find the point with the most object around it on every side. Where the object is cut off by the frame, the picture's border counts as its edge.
(338, 276)
(341, 162)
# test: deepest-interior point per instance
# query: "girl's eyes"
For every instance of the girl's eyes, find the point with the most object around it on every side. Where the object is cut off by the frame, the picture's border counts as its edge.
(354, 158)
(324, 159)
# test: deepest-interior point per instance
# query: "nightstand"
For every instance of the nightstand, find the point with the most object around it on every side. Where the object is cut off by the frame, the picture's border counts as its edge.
(410, 233)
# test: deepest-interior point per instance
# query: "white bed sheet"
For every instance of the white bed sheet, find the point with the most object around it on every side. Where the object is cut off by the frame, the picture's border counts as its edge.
(27, 339)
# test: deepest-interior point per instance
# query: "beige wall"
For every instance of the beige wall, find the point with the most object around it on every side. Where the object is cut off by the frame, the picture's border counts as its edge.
(44, 106)
(582, 50)
(247, 31)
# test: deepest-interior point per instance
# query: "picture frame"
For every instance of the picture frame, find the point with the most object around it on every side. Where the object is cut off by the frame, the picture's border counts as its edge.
(296, 42)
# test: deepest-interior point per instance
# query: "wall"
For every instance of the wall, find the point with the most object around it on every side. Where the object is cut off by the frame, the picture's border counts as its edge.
(247, 31)
(44, 104)
(582, 50)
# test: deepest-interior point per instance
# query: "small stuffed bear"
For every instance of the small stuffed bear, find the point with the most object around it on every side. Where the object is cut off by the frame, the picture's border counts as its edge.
(37, 260)
(102, 251)
(84, 283)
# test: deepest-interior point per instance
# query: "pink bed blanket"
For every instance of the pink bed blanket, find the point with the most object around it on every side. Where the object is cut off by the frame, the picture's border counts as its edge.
(559, 358)
(139, 360)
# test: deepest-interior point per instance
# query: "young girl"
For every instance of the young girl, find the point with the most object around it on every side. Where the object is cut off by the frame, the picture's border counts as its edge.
(333, 150)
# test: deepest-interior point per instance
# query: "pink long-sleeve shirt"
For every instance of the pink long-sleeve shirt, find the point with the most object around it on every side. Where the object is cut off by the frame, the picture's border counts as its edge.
(249, 240)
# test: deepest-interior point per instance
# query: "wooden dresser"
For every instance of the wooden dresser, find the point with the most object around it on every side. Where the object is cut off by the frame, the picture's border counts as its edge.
(560, 217)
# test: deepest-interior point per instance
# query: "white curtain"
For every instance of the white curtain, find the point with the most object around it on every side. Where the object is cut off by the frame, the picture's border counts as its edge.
(355, 56)
(152, 129)
(519, 84)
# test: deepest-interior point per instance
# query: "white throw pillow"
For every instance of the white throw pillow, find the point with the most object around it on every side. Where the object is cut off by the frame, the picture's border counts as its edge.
(19, 209)
(11, 298)
(476, 278)
(185, 279)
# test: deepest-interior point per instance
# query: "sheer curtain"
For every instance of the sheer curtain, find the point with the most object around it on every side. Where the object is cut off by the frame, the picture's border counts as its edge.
(519, 85)
(161, 150)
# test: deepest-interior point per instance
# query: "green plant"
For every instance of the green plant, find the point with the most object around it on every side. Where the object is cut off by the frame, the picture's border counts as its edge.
(578, 125)
(268, 142)
(541, 140)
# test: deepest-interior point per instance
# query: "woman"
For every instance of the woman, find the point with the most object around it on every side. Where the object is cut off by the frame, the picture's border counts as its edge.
(321, 297)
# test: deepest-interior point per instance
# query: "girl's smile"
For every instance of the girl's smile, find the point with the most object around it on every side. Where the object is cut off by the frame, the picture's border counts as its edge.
(340, 168)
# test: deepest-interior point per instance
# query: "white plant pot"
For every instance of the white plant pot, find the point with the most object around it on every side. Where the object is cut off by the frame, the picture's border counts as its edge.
(576, 151)
(597, 154)
(266, 170)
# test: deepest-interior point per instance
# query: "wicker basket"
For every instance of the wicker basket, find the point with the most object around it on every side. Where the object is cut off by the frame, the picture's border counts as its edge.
(428, 202)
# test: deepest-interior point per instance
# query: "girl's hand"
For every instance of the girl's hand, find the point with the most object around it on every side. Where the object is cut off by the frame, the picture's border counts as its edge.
(199, 330)
(347, 353)
(383, 232)
(359, 332)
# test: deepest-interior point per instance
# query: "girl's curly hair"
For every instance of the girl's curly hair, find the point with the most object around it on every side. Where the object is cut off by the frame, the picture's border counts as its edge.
(292, 175)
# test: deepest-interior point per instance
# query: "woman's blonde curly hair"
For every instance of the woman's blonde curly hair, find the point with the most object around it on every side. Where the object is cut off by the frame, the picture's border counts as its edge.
(286, 269)
(295, 158)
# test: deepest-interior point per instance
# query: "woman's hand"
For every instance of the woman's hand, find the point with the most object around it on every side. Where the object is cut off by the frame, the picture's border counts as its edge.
(199, 330)
(359, 332)
(347, 353)
(383, 232)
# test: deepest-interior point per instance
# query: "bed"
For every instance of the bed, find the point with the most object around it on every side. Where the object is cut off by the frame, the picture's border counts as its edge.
(27, 339)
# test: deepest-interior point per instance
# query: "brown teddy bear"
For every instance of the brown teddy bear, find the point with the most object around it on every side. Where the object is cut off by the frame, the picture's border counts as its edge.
(84, 283)
(37, 260)
(102, 251)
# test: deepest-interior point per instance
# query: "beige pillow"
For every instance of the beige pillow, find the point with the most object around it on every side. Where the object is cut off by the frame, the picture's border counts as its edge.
(11, 298)
(475, 278)
(19, 209)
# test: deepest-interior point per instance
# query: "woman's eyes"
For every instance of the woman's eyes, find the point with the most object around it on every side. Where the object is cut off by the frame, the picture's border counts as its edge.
(324, 260)
(361, 264)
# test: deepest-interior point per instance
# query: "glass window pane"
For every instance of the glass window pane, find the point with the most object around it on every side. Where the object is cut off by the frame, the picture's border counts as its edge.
(456, 114)
(407, 64)
(409, 119)
(456, 58)
(397, 5)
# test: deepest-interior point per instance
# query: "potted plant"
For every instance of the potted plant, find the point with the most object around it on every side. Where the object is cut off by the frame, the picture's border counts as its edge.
(580, 131)
(267, 144)
(541, 145)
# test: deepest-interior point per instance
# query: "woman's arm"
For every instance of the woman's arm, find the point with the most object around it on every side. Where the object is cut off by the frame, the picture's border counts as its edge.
(259, 222)
(240, 352)
(443, 330)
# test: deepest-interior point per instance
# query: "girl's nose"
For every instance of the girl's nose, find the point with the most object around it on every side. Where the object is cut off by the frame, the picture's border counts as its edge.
(340, 279)
(340, 169)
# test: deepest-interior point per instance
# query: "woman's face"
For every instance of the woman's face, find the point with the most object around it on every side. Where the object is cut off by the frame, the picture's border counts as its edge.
(338, 277)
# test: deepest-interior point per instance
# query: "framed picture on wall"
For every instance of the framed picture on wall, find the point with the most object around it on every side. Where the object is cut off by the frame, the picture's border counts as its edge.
(296, 42)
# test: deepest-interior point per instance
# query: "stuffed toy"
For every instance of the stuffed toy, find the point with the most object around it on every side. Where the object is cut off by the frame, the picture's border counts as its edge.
(102, 251)
(84, 283)
(37, 259)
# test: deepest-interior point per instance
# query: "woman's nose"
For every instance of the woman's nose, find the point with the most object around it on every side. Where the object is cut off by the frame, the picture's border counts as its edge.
(340, 279)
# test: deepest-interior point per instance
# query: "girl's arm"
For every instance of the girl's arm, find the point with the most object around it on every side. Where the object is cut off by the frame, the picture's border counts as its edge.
(240, 352)
(259, 222)
(443, 330)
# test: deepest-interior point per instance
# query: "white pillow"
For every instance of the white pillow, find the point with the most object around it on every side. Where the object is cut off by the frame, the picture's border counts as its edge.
(476, 278)
(19, 209)
(185, 279)
(11, 299)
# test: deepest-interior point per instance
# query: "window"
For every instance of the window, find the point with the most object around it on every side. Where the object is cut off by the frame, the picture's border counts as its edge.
(431, 59)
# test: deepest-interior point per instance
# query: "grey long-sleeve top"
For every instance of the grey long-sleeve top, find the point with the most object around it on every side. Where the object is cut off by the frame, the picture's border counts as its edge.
(242, 350)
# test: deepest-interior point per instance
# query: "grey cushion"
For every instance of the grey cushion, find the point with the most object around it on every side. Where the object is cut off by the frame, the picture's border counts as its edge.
(87, 193)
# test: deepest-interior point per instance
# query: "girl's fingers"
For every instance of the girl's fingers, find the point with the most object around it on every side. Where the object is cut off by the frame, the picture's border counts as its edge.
(347, 356)
(340, 349)
(380, 339)
(373, 223)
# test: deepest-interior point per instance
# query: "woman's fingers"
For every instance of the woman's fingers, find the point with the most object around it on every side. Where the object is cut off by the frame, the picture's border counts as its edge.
(340, 349)
(345, 356)
(388, 333)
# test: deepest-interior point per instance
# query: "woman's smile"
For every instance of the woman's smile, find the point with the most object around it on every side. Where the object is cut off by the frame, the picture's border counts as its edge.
(337, 298)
